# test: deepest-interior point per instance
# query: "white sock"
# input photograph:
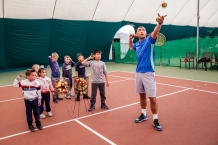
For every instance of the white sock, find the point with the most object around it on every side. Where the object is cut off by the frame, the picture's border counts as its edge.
(144, 111)
(155, 116)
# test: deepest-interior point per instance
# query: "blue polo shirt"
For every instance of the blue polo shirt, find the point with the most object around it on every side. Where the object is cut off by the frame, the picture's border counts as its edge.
(145, 51)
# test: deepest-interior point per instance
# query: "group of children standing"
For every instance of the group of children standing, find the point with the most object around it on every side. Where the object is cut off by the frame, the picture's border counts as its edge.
(37, 96)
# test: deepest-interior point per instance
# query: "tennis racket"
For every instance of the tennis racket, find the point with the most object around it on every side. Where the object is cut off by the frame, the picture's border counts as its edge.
(161, 39)
(48, 71)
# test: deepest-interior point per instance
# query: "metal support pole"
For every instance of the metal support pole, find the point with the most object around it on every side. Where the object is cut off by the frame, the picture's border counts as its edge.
(197, 38)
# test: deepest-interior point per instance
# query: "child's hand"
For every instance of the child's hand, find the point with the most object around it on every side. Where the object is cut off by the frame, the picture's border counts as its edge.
(107, 84)
(39, 103)
(91, 57)
(52, 93)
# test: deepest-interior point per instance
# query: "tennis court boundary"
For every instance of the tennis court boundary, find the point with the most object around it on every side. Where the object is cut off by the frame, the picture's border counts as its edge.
(175, 77)
(170, 85)
(110, 110)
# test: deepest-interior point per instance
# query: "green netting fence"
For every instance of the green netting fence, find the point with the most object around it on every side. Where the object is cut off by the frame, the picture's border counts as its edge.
(170, 53)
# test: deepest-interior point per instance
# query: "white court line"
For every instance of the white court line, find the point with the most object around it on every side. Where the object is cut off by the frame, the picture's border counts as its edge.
(11, 100)
(126, 79)
(6, 86)
(173, 85)
(119, 81)
(10, 136)
(63, 122)
(132, 104)
(205, 91)
(156, 83)
(89, 86)
(96, 133)
(175, 78)
(14, 78)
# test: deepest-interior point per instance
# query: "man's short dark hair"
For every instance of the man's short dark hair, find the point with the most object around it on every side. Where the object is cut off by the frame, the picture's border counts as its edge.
(96, 51)
(141, 27)
(79, 54)
(29, 72)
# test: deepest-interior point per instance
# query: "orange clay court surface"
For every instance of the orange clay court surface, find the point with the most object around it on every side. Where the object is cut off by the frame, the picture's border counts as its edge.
(188, 113)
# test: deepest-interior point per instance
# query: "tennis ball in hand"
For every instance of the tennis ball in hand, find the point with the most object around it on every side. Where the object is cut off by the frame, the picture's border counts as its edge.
(164, 5)
(158, 19)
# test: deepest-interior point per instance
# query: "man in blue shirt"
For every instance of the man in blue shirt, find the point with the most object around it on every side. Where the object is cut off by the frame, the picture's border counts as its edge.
(145, 70)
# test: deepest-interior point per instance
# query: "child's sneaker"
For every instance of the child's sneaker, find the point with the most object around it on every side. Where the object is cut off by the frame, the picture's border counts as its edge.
(141, 118)
(42, 116)
(49, 114)
(39, 126)
(86, 97)
(104, 106)
(78, 98)
(91, 108)
(55, 101)
(68, 97)
(58, 98)
(31, 128)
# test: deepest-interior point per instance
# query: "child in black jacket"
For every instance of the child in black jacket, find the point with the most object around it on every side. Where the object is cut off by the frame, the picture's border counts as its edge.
(67, 73)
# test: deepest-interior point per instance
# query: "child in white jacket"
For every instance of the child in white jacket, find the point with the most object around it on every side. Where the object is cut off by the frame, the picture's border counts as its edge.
(46, 88)
(32, 97)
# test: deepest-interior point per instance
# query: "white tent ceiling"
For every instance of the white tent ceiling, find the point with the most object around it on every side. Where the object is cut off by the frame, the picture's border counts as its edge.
(181, 12)
(1, 9)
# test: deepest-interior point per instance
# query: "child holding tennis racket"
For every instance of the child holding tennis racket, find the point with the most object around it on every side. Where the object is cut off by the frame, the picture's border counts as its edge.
(145, 71)
(46, 88)
(55, 73)
(32, 97)
(67, 73)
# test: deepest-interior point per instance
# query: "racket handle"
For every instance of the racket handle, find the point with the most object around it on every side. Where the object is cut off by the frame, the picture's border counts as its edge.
(21, 75)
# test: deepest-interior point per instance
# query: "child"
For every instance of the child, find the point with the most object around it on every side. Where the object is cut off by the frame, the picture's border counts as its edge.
(45, 92)
(36, 68)
(32, 97)
(67, 73)
(98, 71)
(81, 73)
(55, 73)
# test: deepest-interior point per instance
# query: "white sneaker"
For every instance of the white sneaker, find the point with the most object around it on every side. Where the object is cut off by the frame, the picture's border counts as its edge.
(68, 97)
(49, 114)
(42, 116)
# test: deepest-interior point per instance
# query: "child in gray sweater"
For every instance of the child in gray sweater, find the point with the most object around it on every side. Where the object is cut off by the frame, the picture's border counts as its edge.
(98, 72)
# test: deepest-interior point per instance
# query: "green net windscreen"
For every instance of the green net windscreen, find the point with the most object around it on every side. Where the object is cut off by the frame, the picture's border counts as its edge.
(170, 53)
